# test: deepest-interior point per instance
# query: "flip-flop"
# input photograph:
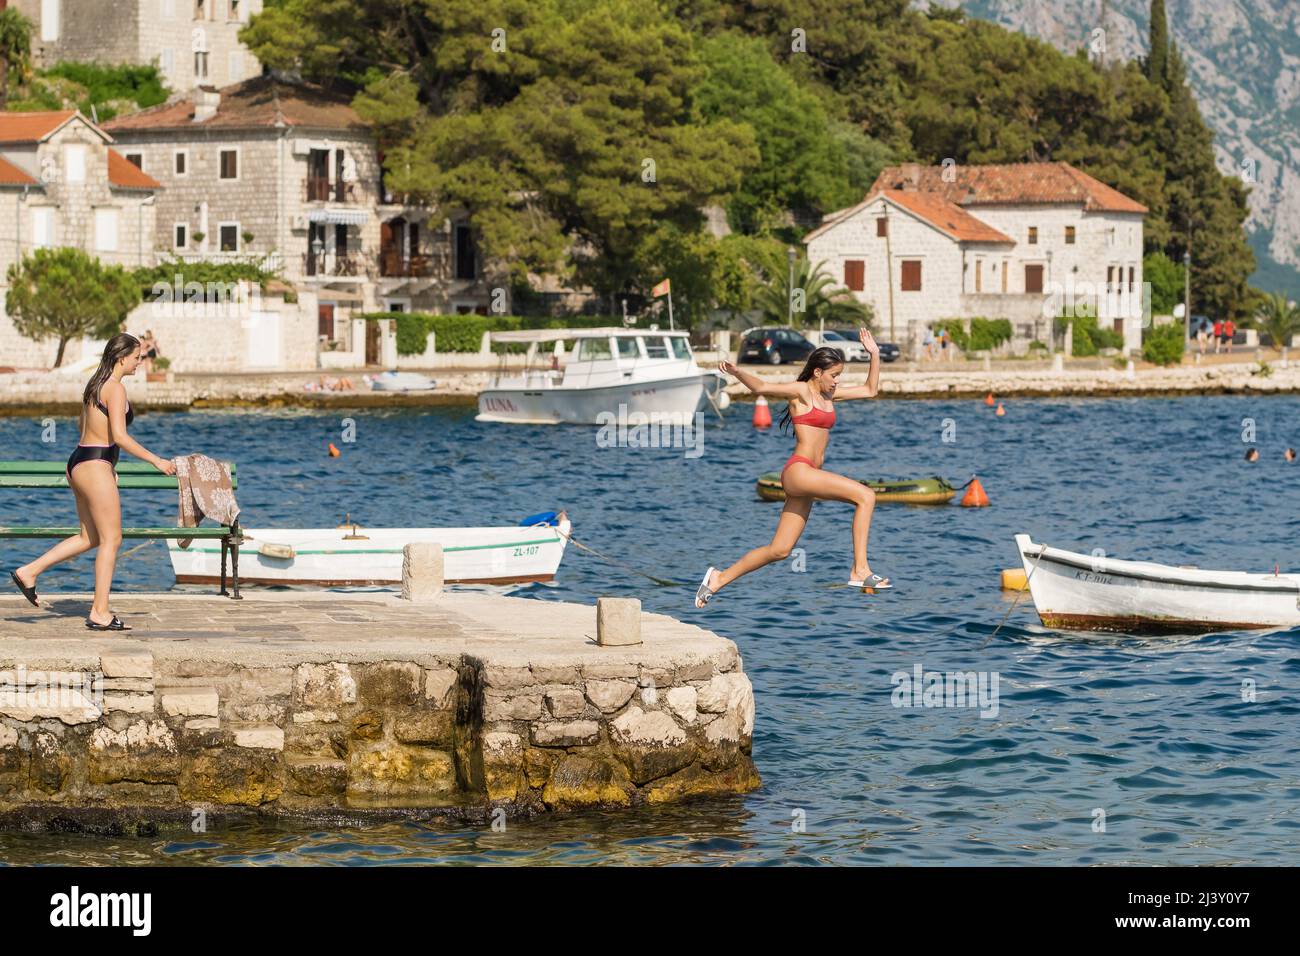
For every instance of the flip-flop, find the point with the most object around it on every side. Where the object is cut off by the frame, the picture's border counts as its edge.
(114, 625)
(29, 593)
(704, 594)
(873, 583)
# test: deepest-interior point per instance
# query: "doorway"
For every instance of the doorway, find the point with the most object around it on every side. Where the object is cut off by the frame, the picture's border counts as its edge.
(374, 343)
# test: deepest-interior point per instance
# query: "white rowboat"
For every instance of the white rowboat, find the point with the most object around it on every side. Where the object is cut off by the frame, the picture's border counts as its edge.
(352, 556)
(1091, 592)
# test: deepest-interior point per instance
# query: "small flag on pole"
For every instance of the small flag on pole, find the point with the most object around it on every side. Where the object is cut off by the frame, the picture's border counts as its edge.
(663, 288)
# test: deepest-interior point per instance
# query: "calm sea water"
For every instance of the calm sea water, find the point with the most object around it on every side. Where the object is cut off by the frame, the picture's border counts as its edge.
(1154, 733)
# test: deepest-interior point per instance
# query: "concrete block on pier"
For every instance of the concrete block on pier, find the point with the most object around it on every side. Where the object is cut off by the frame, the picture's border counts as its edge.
(618, 622)
(422, 571)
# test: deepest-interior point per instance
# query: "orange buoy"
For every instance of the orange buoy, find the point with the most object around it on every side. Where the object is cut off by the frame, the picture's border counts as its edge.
(975, 496)
(988, 399)
(1001, 411)
(334, 452)
(762, 414)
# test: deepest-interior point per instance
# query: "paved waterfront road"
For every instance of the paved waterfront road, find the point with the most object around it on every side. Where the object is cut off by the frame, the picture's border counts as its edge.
(1103, 750)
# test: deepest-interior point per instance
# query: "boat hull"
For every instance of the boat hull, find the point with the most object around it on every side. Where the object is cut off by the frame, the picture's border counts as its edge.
(1076, 591)
(916, 491)
(674, 399)
(329, 558)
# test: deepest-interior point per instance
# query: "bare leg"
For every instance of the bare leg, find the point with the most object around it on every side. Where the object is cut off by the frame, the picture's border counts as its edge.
(806, 480)
(97, 483)
(67, 548)
(794, 516)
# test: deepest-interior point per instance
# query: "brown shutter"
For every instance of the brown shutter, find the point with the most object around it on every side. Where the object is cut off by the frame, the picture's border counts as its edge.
(911, 275)
(854, 274)
(1033, 278)
(979, 275)
(882, 226)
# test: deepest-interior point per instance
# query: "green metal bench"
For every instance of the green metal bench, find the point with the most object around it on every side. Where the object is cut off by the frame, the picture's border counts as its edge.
(52, 474)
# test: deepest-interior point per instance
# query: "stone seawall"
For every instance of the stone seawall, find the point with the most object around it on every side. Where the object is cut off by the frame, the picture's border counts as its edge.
(360, 704)
(36, 393)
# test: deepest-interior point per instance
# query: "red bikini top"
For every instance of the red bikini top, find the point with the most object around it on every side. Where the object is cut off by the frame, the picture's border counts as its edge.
(816, 417)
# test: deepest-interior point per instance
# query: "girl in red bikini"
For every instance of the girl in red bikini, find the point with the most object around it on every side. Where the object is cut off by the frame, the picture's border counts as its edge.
(92, 475)
(812, 412)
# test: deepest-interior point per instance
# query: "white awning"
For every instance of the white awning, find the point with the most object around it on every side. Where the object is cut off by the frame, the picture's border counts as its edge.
(339, 217)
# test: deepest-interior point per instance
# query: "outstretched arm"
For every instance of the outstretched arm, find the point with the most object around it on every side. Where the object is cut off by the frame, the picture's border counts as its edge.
(761, 387)
(872, 388)
(114, 395)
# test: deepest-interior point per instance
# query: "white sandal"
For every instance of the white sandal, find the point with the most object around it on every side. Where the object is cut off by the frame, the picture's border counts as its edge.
(873, 583)
(704, 593)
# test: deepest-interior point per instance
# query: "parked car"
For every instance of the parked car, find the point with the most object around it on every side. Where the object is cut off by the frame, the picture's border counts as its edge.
(888, 352)
(844, 340)
(773, 346)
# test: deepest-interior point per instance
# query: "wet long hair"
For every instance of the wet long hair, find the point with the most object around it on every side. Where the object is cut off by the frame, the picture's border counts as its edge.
(821, 358)
(118, 348)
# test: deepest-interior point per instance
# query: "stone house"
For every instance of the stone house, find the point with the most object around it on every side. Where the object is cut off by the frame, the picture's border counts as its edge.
(289, 173)
(1023, 242)
(193, 42)
(62, 184)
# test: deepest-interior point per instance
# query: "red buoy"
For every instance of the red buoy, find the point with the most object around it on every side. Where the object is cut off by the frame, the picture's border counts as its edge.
(334, 452)
(762, 414)
(988, 399)
(1001, 411)
(975, 496)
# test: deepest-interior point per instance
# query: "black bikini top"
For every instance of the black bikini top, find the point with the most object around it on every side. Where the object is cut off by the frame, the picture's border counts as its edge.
(130, 414)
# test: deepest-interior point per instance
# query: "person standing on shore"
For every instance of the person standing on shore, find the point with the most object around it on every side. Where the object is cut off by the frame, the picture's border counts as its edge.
(92, 475)
(811, 411)
(1201, 336)
(1229, 330)
(1218, 335)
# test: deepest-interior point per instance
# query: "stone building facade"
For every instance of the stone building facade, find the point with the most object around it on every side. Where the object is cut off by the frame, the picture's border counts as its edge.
(62, 184)
(289, 174)
(193, 42)
(1023, 242)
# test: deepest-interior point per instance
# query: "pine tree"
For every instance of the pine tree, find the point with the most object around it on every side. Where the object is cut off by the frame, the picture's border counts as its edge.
(1157, 60)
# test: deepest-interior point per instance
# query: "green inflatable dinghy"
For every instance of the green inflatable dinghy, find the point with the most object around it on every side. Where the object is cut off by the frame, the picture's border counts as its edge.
(917, 491)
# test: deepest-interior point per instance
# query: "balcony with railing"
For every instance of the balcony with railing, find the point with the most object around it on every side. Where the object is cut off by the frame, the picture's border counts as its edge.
(394, 265)
(267, 261)
(333, 265)
(320, 189)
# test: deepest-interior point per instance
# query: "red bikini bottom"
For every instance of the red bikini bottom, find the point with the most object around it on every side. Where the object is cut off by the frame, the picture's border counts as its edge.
(793, 458)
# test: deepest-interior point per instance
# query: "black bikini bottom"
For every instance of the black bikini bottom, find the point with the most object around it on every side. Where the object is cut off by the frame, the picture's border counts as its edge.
(108, 453)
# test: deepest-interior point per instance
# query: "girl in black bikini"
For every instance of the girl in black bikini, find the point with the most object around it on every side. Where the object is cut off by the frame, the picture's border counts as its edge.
(812, 412)
(92, 475)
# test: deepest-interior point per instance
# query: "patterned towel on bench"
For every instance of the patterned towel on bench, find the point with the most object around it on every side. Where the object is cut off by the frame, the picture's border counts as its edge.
(205, 491)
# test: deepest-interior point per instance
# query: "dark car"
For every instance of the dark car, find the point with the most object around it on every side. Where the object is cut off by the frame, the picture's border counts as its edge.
(774, 346)
(888, 352)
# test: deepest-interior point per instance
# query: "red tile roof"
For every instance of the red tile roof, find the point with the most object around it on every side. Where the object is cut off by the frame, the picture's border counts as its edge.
(1011, 183)
(261, 102)
(946, 217)
(31, 127)
(124, 174)
(11, 175)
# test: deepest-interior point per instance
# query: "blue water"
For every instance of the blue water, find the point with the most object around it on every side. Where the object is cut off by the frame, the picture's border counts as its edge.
(1154, 732)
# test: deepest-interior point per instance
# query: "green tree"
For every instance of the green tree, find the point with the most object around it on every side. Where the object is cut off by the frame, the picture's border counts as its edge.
(1166, 278)
(1158, 41)
(807, 159)
(65, 294)
(15, 50)
(1278, 318)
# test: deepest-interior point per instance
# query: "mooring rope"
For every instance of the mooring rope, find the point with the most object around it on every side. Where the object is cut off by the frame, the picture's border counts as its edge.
(1019, 595)
(662, 582)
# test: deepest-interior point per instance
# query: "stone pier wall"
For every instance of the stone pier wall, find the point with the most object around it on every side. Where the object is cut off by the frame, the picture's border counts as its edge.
(126, 734)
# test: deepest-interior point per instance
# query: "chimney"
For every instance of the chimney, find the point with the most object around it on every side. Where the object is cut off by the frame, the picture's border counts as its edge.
(909, 177)
(206, 102)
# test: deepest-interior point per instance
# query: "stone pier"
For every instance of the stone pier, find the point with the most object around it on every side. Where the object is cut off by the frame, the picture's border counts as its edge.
(360, 704)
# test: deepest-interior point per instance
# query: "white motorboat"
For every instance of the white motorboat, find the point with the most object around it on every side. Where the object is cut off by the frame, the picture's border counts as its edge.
(353, 556)
(1093, 592)
(643, 372)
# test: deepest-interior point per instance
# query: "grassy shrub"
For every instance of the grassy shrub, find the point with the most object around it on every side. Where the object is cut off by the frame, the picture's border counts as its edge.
(984, 333)
(1089, 338)
(1163, 344)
